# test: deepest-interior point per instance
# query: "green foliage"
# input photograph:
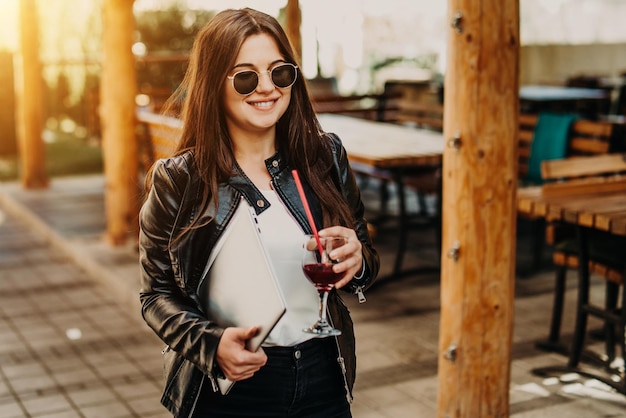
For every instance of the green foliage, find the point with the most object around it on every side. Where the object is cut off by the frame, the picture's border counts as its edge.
(169, 34)
(69, 155)
(8, 168)
(426, 61)
(170, 30)
(66, 155)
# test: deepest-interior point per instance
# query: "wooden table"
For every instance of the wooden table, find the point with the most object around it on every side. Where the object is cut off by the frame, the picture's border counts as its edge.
(385, 145)
(597, 205)
(400, 150)
(602, 206)
(560, 93)
(591, 102)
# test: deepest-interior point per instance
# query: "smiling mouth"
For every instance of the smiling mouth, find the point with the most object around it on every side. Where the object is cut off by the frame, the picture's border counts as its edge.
(264, 104)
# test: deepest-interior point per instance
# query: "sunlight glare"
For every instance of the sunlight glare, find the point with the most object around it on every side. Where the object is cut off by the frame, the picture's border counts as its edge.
(9, 35)
(268, 6)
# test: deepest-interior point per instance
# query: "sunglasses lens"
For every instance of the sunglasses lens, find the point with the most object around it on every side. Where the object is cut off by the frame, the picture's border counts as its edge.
(245, 82)
(284, 75)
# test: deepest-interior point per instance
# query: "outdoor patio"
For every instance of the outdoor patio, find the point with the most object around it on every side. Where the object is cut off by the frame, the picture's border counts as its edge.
(61, 358)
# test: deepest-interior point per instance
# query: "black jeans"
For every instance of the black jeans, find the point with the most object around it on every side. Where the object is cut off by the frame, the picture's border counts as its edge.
(300, 381)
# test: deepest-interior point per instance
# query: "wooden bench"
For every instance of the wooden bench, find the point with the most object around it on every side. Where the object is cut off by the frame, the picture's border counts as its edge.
(582, 175)
(365, 106)
(396, 105)
(405, 110)
(423, 115)
(586, 137)
(161, 133)
(583, 169)
(584, 178)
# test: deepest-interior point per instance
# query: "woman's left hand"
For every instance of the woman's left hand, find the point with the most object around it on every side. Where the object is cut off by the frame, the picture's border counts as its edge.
(350, 253)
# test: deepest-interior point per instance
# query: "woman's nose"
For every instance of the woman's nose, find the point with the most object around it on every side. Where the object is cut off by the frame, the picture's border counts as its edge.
(265, 82)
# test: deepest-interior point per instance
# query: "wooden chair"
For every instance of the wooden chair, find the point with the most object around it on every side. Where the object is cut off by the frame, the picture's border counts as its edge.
(423, 115)
(586, 138)
(365, 106)
(606, 254)
(162, 132)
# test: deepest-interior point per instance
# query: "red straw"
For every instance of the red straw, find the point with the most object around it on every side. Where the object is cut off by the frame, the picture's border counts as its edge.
(296, 177)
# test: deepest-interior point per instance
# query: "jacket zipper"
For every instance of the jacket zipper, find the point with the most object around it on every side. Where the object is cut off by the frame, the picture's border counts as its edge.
(195, 402)
(342, 365)
(358, 291)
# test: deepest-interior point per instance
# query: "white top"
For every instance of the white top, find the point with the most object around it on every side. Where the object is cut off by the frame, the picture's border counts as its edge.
(283, 239)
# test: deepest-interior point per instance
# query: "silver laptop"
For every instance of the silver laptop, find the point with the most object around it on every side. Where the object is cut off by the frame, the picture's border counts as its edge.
(239, 283)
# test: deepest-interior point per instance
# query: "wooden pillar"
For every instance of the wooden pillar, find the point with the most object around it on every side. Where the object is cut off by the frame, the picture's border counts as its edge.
(117, 113)
(294, 19)
(479, 189)
(8, 127)
(29, 95)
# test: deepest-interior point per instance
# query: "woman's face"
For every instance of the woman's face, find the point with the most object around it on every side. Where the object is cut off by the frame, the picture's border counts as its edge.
(260, 110)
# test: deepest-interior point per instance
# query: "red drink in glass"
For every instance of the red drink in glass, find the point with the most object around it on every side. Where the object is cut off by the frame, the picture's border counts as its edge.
(317, 266)
(322, 275)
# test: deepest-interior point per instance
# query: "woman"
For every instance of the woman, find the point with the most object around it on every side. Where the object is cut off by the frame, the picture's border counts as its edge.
(248, 122)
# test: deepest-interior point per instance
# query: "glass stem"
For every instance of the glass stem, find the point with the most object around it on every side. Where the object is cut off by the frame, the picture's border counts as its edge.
(323, 304)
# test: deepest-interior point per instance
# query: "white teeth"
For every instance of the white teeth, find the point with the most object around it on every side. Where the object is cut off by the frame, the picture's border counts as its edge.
(263, 104)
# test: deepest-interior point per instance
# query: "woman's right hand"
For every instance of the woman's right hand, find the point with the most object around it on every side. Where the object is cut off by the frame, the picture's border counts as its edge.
(236, 362)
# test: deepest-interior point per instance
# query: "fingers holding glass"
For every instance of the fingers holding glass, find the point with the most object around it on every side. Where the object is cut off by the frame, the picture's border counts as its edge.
(317, 266)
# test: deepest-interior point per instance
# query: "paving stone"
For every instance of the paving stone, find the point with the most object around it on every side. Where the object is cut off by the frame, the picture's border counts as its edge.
(11, 409)
(108, 409)
(54, 404)
(64, 414)
(51, 283)
(92, 396)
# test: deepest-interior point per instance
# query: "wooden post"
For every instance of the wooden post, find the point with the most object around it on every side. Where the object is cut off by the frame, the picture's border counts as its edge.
(118, 89)
(29, 95)
(294, 19)
(479, 189)
(8, 127)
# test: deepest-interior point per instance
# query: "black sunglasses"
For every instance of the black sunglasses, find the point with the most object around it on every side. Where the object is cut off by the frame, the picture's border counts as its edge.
(246, 81)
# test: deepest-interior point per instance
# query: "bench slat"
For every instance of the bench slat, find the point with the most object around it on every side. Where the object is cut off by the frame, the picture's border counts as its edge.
(586, 138)
(585, 186)
(583, 166)
(164, 133)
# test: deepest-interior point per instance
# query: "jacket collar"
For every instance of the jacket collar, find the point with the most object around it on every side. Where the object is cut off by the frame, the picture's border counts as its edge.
(246, 187)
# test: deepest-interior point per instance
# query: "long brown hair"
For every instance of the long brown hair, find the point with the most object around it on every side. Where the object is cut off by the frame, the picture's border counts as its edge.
(199, 99)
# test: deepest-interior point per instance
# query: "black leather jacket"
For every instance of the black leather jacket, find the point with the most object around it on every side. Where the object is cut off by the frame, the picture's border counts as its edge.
(171, 273)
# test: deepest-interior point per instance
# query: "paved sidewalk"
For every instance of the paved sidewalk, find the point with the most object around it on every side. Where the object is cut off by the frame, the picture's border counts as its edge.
(67, 348)
(72, 342)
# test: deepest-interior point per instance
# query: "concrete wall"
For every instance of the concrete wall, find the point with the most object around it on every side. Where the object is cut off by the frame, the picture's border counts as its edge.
(552, 64)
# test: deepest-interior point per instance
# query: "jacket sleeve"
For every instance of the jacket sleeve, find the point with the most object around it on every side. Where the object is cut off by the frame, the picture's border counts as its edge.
(166, 305)
(350, 190)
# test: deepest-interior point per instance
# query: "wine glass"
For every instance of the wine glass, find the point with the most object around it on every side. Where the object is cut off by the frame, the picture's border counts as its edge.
(318, 268)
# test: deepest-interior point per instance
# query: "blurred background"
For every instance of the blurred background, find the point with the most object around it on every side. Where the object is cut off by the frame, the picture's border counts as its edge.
(348, 47)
